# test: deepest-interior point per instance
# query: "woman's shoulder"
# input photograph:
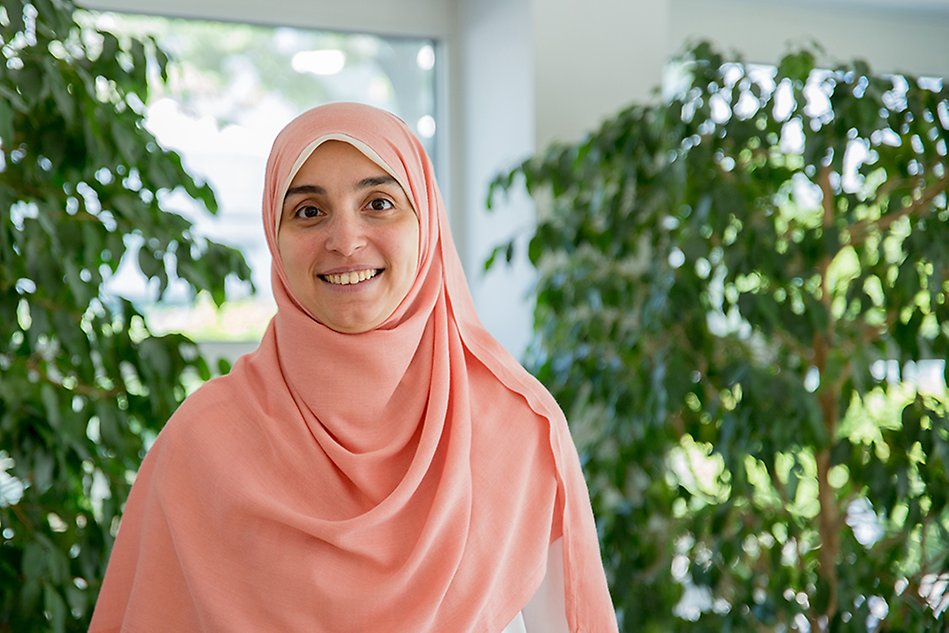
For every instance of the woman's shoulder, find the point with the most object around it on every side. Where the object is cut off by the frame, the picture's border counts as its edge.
(214, 396)
(211, 410)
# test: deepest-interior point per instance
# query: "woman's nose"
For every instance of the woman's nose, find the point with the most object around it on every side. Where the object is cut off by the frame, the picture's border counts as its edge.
(346, 235)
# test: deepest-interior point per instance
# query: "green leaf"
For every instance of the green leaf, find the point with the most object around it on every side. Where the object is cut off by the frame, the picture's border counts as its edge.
(797, 66)
(55, 608)
(34, 561)
(110, 46)
(6, 123)
(14, 12)
(51, 405)
(489, 262)
(43, 470)
(65, 103)
(29, 84)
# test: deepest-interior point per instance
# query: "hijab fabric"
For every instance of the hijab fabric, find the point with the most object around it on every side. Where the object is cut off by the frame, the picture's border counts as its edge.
(407, 479)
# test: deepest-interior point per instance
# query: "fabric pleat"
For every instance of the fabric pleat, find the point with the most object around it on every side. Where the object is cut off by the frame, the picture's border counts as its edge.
(406, 479)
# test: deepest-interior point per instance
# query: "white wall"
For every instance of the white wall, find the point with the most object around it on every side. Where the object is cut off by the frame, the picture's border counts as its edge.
(423, 18)
(496, 109)
(890, 38)
(592, 57)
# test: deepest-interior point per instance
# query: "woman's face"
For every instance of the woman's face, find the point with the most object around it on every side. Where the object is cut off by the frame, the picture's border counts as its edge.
(348, 239)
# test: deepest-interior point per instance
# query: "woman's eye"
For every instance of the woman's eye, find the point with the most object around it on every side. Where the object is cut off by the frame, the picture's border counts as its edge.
(307, 212)
(380, 204)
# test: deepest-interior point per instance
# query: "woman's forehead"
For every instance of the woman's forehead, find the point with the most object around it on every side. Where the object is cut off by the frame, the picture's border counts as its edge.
(336, 159)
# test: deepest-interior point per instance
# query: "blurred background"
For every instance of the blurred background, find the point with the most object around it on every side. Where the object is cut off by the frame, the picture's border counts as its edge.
(715, 229)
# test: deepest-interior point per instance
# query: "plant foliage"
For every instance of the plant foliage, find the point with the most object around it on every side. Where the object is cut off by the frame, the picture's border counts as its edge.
(739, 290)
(85, 385)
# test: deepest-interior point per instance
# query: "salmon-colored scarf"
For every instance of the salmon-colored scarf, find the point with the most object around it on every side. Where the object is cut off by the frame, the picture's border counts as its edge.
(407, 479)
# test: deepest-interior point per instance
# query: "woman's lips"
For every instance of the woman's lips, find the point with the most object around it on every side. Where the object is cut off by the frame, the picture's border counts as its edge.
(351, 277)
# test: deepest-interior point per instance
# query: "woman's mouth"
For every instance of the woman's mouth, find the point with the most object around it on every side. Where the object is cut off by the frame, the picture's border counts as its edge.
(351, 277)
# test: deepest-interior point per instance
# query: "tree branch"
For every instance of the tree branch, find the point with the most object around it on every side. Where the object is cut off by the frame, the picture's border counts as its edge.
(829, 515)
(861, 230)
(34, 363)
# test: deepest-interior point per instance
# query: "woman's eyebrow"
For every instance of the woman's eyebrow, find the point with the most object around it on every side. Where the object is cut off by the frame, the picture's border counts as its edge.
(375, 181)
(304, 189)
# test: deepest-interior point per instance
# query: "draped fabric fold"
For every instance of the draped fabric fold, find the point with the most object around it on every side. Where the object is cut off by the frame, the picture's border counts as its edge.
(406, 479)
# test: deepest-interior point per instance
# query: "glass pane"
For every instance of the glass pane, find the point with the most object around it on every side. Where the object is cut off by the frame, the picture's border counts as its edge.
(231, 88)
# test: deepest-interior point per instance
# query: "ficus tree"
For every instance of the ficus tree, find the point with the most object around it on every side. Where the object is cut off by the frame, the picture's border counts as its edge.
(741, 303)
(85, 384)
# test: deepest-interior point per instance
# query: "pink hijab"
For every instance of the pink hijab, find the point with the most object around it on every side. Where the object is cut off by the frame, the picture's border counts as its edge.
(407, 479)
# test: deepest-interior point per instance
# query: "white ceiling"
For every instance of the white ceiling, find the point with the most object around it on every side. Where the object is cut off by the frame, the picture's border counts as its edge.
(940, 7)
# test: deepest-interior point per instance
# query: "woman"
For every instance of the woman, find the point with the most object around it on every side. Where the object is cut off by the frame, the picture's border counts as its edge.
(380, 463)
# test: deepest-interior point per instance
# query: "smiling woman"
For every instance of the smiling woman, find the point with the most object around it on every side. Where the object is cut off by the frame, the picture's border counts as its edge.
(348, 238)
(380, 462)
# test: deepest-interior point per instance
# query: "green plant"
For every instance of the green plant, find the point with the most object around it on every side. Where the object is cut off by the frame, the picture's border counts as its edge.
(85, 386)
(735, 285)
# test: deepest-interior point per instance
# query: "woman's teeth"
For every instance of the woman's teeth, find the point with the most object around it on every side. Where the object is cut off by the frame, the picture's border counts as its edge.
(354, 277)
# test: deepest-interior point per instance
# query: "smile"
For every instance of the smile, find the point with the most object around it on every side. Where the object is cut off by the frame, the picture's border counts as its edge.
(352, 277)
